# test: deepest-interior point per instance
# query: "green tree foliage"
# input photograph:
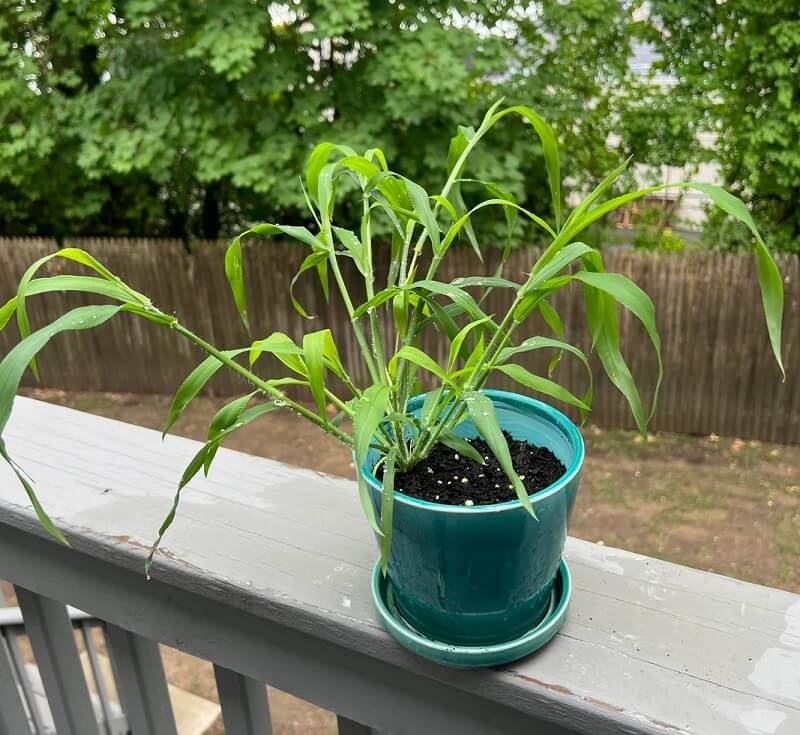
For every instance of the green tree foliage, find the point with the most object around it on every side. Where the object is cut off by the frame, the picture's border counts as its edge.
(738, 71)
(181, 118)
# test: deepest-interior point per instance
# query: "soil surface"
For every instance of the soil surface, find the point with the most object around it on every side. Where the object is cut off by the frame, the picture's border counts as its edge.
(449, 478)
(721, 504)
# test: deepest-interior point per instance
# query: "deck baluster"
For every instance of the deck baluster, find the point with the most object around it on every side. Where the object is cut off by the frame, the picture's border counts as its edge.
(245, 707)
(49, 629)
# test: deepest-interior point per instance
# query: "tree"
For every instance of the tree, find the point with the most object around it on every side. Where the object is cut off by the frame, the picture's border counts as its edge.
(179, 118)
(738, 71)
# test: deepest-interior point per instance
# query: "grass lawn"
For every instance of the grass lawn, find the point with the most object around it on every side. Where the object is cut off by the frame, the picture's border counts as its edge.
(716, 503)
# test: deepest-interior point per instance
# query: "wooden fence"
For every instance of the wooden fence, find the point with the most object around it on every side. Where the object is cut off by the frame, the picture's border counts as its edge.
(720, 375)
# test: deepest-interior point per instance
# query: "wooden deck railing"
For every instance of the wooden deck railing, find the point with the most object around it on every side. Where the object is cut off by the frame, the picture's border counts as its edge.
(266, 573)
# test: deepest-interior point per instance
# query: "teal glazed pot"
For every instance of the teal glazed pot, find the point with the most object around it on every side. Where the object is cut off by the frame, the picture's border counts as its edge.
(483, 574)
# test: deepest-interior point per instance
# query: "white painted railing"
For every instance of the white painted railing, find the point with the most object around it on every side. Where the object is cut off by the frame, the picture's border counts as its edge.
(266, 573)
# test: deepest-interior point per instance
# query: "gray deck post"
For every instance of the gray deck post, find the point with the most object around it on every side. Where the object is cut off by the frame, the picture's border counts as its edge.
(49, 629)
(13, 718)
(245, 707)
(141, 683)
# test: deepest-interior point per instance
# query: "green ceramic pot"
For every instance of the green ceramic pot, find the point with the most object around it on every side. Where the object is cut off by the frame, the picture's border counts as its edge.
(483, 574)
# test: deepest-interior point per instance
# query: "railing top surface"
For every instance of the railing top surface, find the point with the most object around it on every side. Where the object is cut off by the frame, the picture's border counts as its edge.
(656, 646)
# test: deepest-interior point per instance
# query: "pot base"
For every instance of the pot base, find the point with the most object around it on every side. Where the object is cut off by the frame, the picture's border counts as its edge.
(471, 656)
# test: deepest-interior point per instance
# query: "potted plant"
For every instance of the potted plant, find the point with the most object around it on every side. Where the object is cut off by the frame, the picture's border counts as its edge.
(469, 491)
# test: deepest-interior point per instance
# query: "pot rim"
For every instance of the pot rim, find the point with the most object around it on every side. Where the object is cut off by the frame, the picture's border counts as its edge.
(544, 411)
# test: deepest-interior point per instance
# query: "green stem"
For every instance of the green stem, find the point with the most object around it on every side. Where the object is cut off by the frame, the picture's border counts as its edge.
(362, 340)
(262, 385)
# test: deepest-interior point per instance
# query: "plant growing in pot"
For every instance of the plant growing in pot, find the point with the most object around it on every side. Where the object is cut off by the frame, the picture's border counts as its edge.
(468, 490)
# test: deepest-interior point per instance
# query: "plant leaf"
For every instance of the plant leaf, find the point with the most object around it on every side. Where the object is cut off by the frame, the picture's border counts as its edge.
(422, 206)
(76, 255)
(367, 417)
(481, 410)
(485, 281)
(12, 369)
(541, 385)
(192, 384)
(627, 293)
(14, 363)
(769, 276)
(314, 354)
(543, 271)
(462, 446)
(41, 514)
(387, 508)
(418, 357)
(203, 459)
(354, 247)
(234, 272)
(551, 318)
(549, 143)
(283, 347)
(458, 341)
(224, 419)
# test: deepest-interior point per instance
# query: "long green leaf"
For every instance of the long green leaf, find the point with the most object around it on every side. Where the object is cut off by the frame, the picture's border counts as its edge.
(462, 446)
(41, 514)
(367, 417)
(75, 255)
(234, 272)
(12, 369)
(599, 190)
(422, 206)
(314, 354)
(192, 384)
(543, 271)
(602, 318)
(483, 415)
(318, 160)
(377, 300)
(769, 276)
(551, 318)
(387, 508)
(315, 260)
(541, 385)
(484, 281)
(83, 284)
(14, 363)
(458, 341)
(627, 293)
(419, 358)
(284, 348)
(538, 343)
(549, 143)
(458, 295)
(223, 419)
(228, 415)
(354, 247)
(202, 460)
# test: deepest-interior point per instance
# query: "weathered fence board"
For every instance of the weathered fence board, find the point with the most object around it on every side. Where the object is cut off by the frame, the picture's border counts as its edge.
(720, 373)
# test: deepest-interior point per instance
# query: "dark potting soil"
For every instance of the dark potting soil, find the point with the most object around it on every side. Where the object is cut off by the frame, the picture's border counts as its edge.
(449, 478)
